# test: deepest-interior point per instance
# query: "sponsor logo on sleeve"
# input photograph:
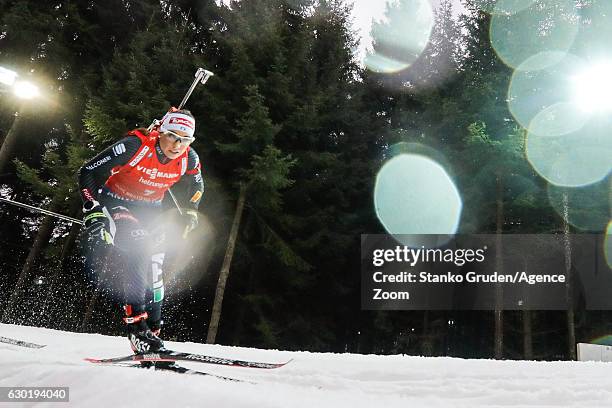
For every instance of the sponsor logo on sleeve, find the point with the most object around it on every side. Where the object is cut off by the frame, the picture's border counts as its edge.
(138, 158)
(98, 163)
(119, 149)
(87, 194)
(196, 197)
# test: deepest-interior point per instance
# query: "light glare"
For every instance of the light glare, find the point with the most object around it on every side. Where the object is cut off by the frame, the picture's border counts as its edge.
(593, 88)
(25, 90)
(7, 77)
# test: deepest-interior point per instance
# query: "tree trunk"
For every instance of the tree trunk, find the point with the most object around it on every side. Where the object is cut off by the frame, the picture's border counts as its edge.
(527, 336)
(42, 238)
(213, 328)
(8, 146)
(571, 326)
(499, 295)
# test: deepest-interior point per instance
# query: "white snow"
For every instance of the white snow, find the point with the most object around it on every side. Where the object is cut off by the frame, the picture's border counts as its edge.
(317, 380)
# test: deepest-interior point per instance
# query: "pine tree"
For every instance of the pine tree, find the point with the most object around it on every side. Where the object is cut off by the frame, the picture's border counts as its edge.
(267, 174)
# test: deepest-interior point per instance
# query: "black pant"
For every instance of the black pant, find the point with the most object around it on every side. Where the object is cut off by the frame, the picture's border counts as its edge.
(138, 256)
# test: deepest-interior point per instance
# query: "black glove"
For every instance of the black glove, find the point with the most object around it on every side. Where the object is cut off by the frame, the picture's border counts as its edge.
(97, 223)
(190, 218)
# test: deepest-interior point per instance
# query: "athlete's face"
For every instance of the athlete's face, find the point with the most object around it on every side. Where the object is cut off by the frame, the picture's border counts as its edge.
(172, 146)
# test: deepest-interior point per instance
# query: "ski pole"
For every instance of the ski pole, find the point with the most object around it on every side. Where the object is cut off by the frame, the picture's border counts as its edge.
(42, 210)
(175, 202)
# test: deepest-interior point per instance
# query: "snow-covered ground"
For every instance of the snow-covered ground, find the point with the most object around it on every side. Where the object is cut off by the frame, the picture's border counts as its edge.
(317, 380)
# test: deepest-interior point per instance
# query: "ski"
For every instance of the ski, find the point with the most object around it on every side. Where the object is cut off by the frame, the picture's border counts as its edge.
(175, 368)
(184, 370)
(173, 356)
(20, 343)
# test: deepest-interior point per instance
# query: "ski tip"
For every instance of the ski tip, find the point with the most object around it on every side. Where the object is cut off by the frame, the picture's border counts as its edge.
(93, 360)
(285, 363)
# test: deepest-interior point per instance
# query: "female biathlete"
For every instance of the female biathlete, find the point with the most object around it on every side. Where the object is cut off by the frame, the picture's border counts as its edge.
(122, 190)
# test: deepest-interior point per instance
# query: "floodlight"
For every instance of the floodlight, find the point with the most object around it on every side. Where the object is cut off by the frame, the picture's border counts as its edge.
(25, 90)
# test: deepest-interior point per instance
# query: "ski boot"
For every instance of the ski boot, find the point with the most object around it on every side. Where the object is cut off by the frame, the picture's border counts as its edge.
(142, 339)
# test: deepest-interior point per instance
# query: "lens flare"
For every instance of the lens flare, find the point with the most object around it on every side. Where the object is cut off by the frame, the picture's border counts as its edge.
(595, 31)
(509, 7)
(548, 25)
(566, 144)
(603, 340)
(418, 149)
(565, 161)
(414, 195)
(558, 120)
(574, 159)
(504, 7)
(380, 63)
(401, 39)
(541, 82)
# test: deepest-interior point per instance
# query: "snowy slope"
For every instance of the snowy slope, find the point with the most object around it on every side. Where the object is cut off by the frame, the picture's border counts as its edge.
(311, 380)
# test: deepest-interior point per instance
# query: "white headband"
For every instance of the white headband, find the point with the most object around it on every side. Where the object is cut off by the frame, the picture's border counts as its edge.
(177, 121)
